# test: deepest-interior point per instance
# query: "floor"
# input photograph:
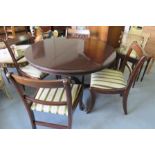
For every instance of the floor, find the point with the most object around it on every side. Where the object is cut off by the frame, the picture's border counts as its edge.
(107, 113)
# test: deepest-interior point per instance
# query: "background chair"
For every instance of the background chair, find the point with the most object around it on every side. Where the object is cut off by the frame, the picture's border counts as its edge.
(74, 33)
(26, 70)
(110, 81)
(57, 97)
(126, 40)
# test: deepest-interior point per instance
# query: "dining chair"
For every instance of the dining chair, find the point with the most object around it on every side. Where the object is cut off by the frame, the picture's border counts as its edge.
(80, 34)
(58, 97)
(25, 70)
(126, 40)
(110, 81)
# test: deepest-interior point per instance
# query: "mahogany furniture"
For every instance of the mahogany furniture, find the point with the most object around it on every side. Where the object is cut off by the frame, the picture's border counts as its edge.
(110, 34)
(27, 70)
(126, 40)
(58, 97)
(70, 57)
(63, 56)
(110, 81)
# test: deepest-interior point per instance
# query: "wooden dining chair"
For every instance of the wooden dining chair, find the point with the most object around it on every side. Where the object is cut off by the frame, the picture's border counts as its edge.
(110, 81)
(58, 97)
(26, 70)
(79, 34)
(126, 40)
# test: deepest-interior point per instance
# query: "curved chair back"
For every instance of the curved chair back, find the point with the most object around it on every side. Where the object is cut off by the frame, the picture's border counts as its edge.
(134, 47)
(136, 70)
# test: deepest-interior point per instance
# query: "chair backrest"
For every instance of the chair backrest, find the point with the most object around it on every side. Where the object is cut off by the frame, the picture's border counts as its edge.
(135, 71)
(20, 72)
(20, 81)
(74, 33)
(128, 38)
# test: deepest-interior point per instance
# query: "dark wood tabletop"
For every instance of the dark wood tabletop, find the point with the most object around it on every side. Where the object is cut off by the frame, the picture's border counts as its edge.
(70, 56)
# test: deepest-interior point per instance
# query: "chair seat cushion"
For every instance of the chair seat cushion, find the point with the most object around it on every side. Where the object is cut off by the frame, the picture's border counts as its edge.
(34, 72)
(108, 79)
(55, 95)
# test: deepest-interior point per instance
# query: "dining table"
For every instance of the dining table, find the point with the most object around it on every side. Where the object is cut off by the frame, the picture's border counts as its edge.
(70, 57)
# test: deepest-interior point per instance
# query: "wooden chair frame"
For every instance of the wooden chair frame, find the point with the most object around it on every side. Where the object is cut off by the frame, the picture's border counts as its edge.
(20, 81)
(15, 61)
(124, 92)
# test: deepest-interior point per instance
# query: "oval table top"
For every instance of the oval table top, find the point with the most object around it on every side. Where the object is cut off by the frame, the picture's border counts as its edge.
(70, 56)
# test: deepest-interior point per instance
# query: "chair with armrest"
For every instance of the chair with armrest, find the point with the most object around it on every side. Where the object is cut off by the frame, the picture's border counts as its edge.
(58, 97)
(26, 70)
(110, 81)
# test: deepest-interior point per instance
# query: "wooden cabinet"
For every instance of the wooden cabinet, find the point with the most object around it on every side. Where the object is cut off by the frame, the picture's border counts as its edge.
(110, 34)
(150, 46)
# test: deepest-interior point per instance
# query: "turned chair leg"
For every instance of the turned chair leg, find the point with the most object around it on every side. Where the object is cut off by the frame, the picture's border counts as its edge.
(91, 103)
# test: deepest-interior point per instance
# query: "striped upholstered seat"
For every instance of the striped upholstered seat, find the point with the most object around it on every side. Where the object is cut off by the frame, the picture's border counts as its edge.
(108, 79)
(33, 72)
(55, 95)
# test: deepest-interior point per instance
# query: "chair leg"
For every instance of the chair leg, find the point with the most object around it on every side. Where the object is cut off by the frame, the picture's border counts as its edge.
(148, 61)
(5, 70)
(139, 73)
(69, 122)
(7, 93)
(81, 105)
(91, 103)
(125, 97)
(150, 66)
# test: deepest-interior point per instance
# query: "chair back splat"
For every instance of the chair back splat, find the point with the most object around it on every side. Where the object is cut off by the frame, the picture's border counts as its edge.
(58, 97)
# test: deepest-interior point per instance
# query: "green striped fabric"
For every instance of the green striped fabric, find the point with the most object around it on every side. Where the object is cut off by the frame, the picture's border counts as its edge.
(108, 79)
(30, 70)
(55, 95)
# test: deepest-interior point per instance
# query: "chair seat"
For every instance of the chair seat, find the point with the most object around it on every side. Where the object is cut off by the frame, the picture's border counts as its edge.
(33, 72)
(108, 79)
(55, 95)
